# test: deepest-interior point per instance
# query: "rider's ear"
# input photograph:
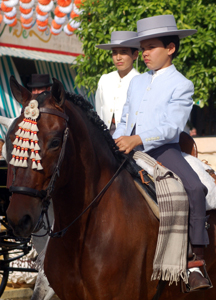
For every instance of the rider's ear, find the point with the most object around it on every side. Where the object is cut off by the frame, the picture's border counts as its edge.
(20, 93)
(58, 92)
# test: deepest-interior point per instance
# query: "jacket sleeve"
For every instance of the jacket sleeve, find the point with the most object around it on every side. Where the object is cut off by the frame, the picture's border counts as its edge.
(173, 120)
(99, 99)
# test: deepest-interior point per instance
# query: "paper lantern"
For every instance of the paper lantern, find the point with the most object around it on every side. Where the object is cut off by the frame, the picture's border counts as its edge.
(11, 3)
(58, 13)
(26, 5)
(56, 31)
(46, 8)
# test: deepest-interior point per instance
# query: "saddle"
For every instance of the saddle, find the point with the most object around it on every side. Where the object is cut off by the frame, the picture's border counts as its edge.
(144, 181)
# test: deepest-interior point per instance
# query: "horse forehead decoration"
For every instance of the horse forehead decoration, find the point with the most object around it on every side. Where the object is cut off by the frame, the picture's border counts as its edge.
(26, 138)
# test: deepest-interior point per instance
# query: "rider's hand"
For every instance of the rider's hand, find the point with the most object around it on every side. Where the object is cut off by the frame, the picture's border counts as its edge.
(127, 143)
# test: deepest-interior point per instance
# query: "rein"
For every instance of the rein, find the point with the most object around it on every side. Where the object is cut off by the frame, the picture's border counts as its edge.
(45, 195)
(62, 232)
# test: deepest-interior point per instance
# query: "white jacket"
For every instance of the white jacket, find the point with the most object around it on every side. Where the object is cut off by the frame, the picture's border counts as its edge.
(111, 95)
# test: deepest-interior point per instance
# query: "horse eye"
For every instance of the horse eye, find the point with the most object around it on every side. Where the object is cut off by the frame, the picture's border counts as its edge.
(54, 144)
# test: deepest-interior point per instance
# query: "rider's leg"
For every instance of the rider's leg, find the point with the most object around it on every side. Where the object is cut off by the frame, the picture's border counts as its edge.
(170, 156)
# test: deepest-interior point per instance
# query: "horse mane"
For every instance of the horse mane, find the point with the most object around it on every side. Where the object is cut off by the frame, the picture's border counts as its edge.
(92, 115)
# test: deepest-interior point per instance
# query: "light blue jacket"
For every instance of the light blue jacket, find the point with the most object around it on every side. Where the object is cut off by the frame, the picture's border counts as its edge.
(158, 110)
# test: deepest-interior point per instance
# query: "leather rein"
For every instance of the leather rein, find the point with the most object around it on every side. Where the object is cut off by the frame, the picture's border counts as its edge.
(45, 195)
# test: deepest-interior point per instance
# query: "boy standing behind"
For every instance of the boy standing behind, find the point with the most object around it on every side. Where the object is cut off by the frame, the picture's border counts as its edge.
(112, 88)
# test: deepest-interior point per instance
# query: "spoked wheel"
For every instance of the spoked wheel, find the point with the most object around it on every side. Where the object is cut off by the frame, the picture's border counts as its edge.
(4, 272)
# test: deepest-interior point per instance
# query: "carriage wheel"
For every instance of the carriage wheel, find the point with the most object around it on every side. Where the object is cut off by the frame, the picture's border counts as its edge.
(3, 274)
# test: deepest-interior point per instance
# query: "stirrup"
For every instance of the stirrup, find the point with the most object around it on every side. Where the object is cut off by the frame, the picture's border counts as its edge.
(185, 288)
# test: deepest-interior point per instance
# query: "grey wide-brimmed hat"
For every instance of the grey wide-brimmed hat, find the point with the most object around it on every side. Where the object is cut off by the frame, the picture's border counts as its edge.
(117, 37)
(158, 26)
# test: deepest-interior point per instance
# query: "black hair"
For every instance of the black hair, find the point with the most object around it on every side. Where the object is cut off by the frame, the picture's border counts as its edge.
(166, 40)
(133, 50)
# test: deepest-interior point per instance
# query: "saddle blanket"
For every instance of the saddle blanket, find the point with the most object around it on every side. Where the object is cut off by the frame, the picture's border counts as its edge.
(200, 168)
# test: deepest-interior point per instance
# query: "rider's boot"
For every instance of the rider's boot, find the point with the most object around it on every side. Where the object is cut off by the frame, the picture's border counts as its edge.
(196, 280)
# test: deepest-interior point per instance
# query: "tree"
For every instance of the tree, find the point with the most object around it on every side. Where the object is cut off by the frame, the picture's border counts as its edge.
(197, 56)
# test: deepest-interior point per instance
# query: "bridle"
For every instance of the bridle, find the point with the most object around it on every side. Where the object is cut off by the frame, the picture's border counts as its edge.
(45, 195)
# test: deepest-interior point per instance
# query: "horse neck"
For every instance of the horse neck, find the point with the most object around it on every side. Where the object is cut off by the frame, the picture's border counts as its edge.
(89, 165)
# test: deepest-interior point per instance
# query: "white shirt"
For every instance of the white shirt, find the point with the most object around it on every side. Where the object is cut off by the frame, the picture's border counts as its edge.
(157, 73)
(111, 95)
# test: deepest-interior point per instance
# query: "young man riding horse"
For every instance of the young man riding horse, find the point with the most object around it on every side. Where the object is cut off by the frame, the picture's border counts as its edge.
(157, 108)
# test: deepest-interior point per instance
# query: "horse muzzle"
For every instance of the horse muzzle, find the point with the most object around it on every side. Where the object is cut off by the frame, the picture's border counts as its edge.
(23, 228)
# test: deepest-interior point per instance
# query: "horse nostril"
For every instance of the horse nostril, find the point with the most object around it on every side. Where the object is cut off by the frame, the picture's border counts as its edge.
(25, 223)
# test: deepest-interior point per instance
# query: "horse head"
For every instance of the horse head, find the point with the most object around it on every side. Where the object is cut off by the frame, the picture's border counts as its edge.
(34, 143)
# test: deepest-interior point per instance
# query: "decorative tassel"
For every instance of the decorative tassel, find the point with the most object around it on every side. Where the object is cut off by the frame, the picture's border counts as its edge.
(39, 165)
(20, 143)
(26, 143)
(37, 156)
(36, 146)
(27, 134)
(18, 151)
(26, 153)
(35, 138)
(16, 161)
(25, 164)
(14, 150)
(18, 131)
(20, 162)
(34, 126)
(32, 145)
(28, 124)
(22, 124)
(16, 140)
(12, 161)
(26, 138)
(34, 165)
(22, 152)
(32, 156)
(22, 133)
(31, 135)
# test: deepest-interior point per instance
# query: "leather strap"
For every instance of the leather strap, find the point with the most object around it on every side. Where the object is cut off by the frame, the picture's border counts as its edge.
(160, 288)
(27, 191)
(52, 111)
(196, 263)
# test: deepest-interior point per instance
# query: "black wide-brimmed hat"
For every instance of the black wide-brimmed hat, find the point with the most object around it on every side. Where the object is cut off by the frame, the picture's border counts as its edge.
(39, 80)
(117, 37)
(157, 26)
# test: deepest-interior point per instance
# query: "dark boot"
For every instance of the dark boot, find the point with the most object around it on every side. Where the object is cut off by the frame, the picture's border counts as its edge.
(196, 281)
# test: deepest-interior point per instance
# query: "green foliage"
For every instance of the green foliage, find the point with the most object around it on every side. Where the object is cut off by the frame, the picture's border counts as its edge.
(197, 56)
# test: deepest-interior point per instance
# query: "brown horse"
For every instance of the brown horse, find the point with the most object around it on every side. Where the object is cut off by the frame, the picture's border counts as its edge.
(107, 253)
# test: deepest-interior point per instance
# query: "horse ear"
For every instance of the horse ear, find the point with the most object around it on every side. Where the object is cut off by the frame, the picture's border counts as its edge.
(20, 93)
(58, 92)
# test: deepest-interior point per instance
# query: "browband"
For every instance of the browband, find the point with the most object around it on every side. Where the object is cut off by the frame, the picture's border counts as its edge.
(54, 112)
